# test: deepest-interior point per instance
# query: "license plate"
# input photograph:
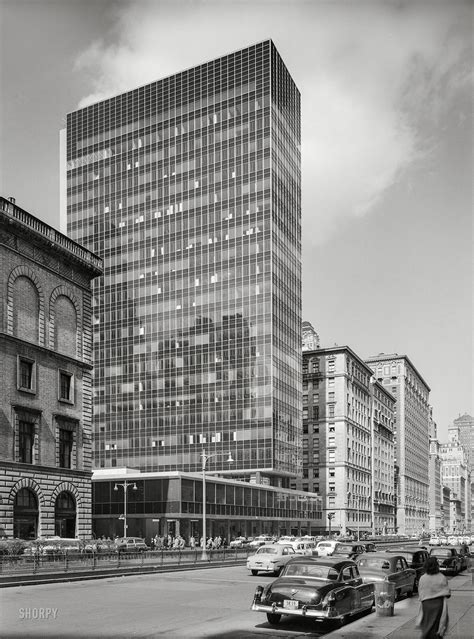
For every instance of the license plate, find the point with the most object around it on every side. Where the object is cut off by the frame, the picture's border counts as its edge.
(291, 604)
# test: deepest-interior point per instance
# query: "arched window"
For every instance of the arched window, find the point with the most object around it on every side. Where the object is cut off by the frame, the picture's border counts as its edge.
(65, 325)
(65, 515)
(26, 307)
(25, 515)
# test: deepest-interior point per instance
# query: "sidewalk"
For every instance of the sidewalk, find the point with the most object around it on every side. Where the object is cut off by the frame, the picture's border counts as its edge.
(402, 624)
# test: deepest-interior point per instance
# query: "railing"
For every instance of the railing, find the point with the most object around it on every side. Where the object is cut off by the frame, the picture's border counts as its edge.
(77, 562)
(50, 233)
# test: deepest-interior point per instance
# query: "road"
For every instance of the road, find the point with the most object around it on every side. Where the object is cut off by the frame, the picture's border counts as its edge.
(200, 603)
(211, 603)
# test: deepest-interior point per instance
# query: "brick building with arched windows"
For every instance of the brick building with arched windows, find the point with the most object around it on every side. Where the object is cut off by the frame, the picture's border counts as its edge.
(45, 377)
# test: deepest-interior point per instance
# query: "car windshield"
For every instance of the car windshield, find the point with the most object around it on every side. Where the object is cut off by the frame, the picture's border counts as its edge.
(311, 570)
(440, 552)
(376, 562)
(343, 548)
(324, 544)
(267, 550)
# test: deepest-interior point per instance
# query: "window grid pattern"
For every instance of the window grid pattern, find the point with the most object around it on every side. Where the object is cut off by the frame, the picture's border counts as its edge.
(189, 188)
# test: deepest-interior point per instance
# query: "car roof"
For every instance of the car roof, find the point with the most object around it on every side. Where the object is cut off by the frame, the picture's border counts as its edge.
(404, 551)
(322, 561)
(381, 554)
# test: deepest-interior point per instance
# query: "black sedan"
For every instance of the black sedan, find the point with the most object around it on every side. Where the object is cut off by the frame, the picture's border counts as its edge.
(348, 550)
(317, 588)
(415, 557)
(449, 560)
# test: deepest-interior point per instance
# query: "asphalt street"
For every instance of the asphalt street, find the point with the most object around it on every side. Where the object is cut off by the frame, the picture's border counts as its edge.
(212, 603)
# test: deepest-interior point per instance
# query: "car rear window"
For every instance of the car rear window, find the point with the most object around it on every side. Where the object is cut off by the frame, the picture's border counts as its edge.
(374, 563)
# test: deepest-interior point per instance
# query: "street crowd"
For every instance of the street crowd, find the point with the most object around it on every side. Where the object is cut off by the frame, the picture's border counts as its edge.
(170, 542)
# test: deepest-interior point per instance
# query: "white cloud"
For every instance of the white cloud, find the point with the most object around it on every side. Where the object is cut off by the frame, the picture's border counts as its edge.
(374, 77)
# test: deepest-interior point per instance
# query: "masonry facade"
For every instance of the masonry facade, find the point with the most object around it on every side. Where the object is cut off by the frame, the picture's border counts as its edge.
(412, 436)
(346, 421)
(46, 378)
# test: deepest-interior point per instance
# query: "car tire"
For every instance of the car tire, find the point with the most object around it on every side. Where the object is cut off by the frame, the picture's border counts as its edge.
(273, 618)
(254, 572)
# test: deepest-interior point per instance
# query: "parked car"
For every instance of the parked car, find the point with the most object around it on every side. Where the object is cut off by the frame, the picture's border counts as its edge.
(434, 541)
(260, 541)
(316, 588)
(100, 546)
(448, 558)
(270, 558)
(415, 557)
(326, 548)
(370, 547)
(464, 555)
(131, 544)
(350, 551)
(443, 540)
(452, 540)
(303, 547)
(239, 542)
(381, 566)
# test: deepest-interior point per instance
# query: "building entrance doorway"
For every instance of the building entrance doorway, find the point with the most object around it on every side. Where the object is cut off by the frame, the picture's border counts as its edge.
(65, 515)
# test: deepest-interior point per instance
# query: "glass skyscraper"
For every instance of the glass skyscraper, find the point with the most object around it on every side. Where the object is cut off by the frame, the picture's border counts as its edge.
(189, 188)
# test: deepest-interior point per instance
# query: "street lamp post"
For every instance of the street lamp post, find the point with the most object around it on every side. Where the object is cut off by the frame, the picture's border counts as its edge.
(204, 458)
(125, 485)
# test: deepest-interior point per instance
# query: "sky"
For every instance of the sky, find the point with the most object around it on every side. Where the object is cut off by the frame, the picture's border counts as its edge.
(387, 147)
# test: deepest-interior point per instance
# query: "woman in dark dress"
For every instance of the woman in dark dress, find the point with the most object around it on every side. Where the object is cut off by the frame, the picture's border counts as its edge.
(433, 591)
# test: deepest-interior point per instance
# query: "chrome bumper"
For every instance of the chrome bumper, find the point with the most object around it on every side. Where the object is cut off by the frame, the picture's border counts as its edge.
(296, 612)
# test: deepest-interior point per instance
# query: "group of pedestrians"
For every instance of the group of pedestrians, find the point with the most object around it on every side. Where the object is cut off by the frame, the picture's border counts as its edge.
(171, 542)
(214, 543)
(167, 542)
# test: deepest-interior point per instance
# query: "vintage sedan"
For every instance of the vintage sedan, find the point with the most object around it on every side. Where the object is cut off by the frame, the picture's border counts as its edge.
(319, 588)
(464, 554)
(381, 566)
(448, 558)
(348, 550)
(415, 557)
(131, 544)
(270, 558)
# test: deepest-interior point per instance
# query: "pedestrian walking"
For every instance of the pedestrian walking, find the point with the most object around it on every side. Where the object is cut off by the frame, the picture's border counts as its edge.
(433, 592)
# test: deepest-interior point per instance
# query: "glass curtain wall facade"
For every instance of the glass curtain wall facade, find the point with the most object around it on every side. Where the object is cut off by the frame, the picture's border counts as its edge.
(189, 188)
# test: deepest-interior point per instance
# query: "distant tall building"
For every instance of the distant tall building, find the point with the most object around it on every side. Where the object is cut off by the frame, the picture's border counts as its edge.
(462, 432)
(412, 433)
(45, 379)
(347, 442)
(383, 458)
(456, 476)
(189, 187)
(435, 495)
(310, 339)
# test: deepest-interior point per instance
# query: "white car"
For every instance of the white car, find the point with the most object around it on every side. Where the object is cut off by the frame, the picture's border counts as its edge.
(434, 541)
(303, 547)
(260, 541)
(239, 542)
(453, 540)
(326, 548)
(270, 558)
